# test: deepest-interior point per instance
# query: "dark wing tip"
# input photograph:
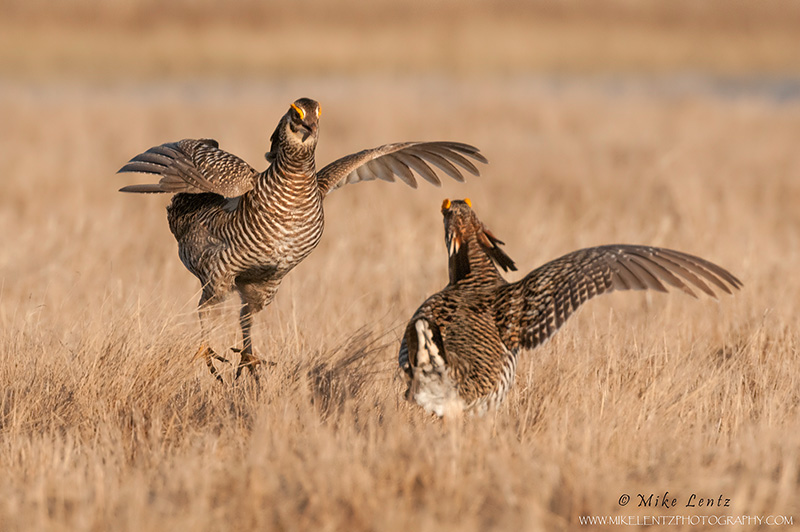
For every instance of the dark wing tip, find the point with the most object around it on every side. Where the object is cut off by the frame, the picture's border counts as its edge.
(706, 270)
(143, 189)
(141, 167)
(468, 149)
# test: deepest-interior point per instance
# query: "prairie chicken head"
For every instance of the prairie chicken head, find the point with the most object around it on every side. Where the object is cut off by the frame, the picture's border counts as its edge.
(297, 130)
(303, 119)
(465, 235)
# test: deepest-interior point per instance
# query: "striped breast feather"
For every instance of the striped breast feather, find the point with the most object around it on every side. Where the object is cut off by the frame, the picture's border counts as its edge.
(401, 161)
(532, 309)
(192, 166)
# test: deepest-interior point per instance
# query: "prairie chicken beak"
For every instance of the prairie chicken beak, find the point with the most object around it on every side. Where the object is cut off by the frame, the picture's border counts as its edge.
(306, 130)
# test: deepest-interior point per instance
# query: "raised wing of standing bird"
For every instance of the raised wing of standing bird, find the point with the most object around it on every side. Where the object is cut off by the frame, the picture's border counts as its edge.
(193, 166)
(398, 160)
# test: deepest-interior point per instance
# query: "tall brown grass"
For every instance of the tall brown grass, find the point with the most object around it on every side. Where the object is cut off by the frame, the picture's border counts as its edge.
(107, 423)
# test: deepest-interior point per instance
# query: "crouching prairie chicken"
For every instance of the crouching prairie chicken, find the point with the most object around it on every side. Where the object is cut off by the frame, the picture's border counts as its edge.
(459, 351)
(239, 229)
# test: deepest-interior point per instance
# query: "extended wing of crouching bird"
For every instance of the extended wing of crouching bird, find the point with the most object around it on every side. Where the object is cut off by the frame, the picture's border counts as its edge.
(459, 351)
(243, 230)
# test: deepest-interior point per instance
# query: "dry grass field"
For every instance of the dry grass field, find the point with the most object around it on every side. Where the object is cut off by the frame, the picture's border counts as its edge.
(106, 422)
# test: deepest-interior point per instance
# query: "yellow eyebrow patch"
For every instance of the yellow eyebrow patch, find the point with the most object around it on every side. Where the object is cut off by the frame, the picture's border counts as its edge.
(319, 110)
(445, 205)
(299, 111)
(468, 202)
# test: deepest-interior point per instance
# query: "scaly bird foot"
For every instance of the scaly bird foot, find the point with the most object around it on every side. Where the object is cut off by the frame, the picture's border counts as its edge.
(250, 361)
(208, 354)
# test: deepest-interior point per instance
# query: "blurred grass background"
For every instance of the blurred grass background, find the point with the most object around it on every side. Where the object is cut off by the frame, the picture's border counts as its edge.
(149, 39)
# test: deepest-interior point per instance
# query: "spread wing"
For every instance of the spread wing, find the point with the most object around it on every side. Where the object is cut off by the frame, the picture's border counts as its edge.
(532, 309)
(401, 160)
(192, 166)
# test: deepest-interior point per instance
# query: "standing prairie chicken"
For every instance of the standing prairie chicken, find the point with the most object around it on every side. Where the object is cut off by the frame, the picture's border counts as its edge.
(459, 352)
(239, 229)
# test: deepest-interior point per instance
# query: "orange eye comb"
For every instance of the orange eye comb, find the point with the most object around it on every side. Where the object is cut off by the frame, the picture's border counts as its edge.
(445, 205)
(300, 112)
(468, 202)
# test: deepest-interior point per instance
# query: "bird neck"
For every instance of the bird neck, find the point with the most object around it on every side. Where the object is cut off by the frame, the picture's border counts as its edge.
(471, 264)
(295, 161)
(289, 181)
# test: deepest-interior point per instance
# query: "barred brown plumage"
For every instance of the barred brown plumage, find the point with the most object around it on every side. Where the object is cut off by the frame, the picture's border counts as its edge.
(239, 229)
(459, 352)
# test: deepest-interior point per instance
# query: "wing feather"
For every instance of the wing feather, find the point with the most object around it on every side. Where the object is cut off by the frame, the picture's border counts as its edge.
(193, 166)
(532, 309)
(402, 160)
(365, 173)
(456, 157)
(398, 168)
(419, 166)
(640, 270)
(679, 268)
(438, 160)
(468, 149)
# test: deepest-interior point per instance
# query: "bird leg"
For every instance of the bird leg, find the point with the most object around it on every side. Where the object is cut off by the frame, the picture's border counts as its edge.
(205, 352)
(248, 359)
